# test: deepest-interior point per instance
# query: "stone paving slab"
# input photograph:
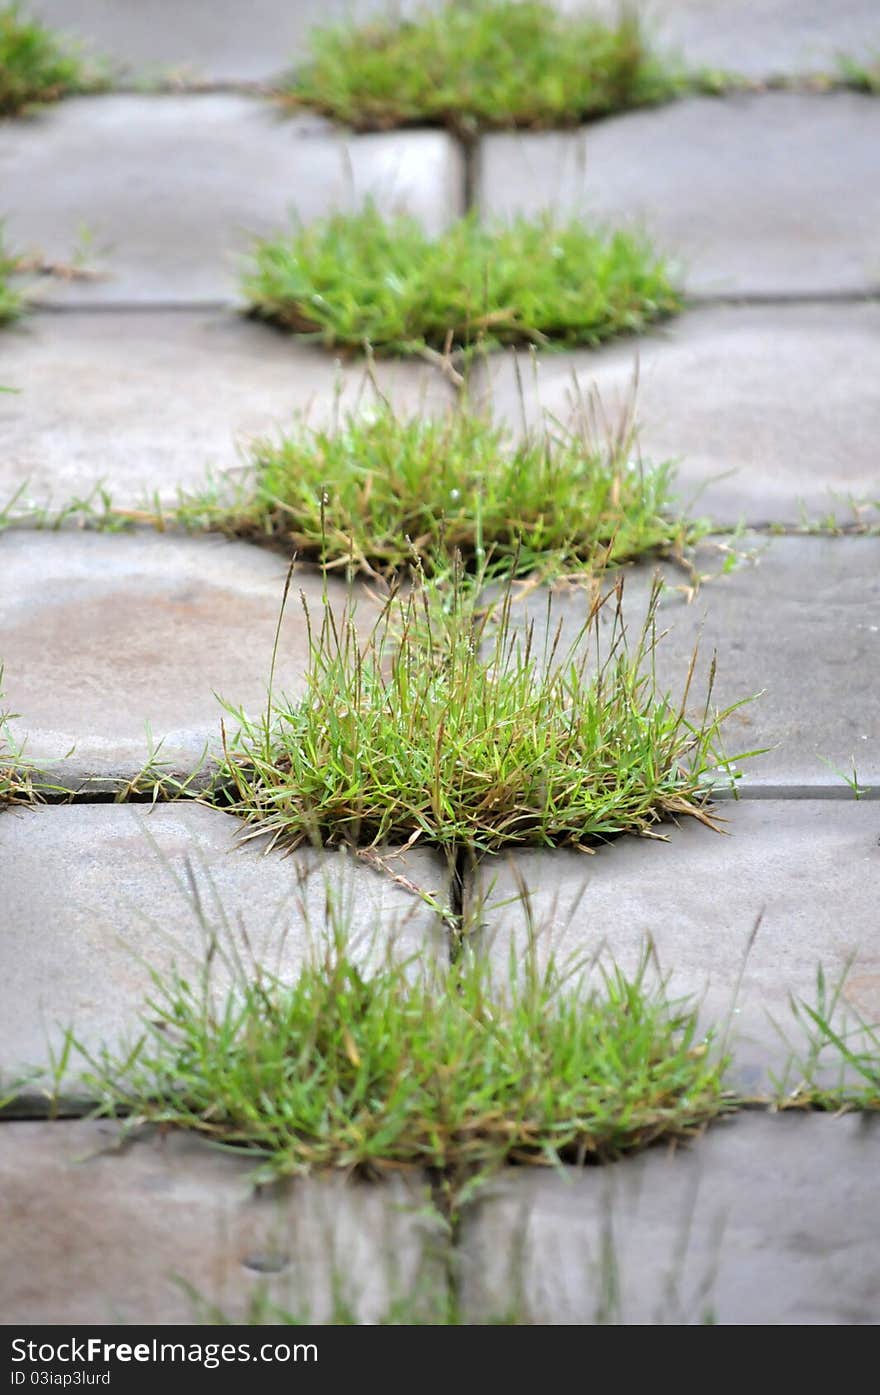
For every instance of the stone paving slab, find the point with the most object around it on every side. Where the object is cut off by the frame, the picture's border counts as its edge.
(766, 1219)
(773, 38)
(219, 39)
(770, 194)
(771, 412)
(101, 634)
(149, 402)
(96, 894)
(97, 1234)
(812, 868)
(797, 621)
(173, 189)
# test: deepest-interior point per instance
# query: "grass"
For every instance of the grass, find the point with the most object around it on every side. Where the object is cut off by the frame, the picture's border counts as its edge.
(434, 1070)
(355, 279)
(836, 1065)
(16, 784)
(11, 301)
(35, 67)
(377, 489)
(429, 1306)
(860, 74)
(458, 727)
(860, 518)
(483, 65)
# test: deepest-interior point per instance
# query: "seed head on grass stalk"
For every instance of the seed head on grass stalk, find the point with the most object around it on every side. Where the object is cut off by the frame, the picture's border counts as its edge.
(454, 724)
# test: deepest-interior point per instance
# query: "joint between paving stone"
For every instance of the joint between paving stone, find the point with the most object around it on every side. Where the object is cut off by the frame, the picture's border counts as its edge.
(134, 307)
(702, 300)
(797, 792)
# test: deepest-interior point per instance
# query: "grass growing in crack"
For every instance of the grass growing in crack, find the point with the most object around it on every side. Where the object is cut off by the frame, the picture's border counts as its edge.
(435, 1070)
(355, 279)
(860, 74)
(11, 301)
(484, 64)
(378, 489)
(836, 1063)
(860, 519)
(35, 66)
(428, 1306)
(16, 782)
(459, 728)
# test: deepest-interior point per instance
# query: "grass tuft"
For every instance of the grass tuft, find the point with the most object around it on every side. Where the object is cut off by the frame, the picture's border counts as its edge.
(836, 1064)
(860, 74)
(378, 489)
(343, 1070)
(16, 784)
(456, 726)
(356, 279)
(11, 300)
(483, 65)
(35, 67)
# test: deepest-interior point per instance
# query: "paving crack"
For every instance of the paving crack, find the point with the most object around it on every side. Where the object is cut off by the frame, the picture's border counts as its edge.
(133, 307)
(867, 295)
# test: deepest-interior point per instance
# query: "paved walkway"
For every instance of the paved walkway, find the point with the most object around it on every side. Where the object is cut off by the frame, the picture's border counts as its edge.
(768, 389)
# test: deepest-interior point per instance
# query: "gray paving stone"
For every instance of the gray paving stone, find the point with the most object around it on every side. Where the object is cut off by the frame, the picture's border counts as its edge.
(97, 894)
(767, 1219)
(102, 634)
(152, 400)
(173, 189)
(218, 39)
(797, 622)
(771, 412)
(97, 1234)
(777, 193)
(811, 867)
(776, 37)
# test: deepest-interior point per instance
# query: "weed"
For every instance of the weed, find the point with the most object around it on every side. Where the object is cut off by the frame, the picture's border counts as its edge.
(355, 279)
(433, 1069)
(851, 779)
(836, 1066)
(453, 725)
(485, 64)
(11, 303)
(35, 67)
(860, 74)
(378, 489)
(93, 510)
(863, 518)
(16, 776)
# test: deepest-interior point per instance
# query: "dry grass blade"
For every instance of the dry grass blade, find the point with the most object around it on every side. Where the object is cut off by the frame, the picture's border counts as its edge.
(450, 724)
